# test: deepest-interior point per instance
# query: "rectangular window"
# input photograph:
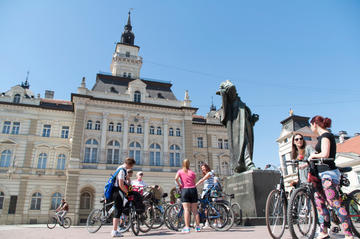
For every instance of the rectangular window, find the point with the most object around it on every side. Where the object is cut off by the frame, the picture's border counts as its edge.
(46, 130)
(137, 157)
(65, 132)
(87, 155)
(177, 162)
(15, 128)
(158, 163)
(226, 144)
(172, 160)
(200, 142)
(12, 205)
(220, 143)
(6, 127)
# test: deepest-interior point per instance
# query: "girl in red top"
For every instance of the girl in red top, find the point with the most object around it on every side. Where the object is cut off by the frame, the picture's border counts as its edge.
(185, 178)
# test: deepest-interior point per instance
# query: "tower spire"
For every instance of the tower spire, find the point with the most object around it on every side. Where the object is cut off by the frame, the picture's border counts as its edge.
(128, 36)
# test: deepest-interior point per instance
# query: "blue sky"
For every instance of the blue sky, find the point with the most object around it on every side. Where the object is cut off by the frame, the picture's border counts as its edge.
(303, 55)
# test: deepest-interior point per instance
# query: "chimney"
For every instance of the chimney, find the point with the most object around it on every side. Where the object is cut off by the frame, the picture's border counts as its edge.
(342, 135)
(49, 94)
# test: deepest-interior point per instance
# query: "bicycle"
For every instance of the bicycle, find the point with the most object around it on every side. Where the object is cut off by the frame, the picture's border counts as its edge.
(302, 211)
(157, 210)
(55, 219)
(276, 206)
(235, 207)
(218, 214)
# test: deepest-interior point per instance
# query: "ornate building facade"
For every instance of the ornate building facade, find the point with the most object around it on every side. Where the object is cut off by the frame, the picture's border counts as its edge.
(52, 149)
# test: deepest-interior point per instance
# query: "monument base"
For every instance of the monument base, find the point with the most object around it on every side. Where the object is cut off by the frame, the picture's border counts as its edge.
(251, 189)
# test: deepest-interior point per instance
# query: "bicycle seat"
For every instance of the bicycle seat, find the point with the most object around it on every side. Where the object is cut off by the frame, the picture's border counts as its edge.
(164, 195)
(232, 196)
(102, 200)
(345, 169)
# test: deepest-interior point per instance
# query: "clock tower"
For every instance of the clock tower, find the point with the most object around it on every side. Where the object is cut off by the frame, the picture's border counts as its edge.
(126, 61)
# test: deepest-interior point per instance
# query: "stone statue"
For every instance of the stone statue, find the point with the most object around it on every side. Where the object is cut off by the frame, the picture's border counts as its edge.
(239, 121)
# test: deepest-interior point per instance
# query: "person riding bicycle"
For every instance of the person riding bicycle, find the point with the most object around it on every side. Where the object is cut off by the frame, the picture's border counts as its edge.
(62, 210)
(329, 175)
(120, 191)
(300, 151)
(138, 185)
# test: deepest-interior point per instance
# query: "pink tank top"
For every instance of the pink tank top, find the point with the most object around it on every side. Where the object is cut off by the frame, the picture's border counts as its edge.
(187, 179)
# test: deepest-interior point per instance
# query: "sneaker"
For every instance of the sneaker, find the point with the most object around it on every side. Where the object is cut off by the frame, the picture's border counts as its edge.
(206, 225)
(185, 230)
(197, 229)
(116, 234)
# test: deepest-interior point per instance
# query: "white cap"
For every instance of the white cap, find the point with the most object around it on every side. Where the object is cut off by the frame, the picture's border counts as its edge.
(138, 173)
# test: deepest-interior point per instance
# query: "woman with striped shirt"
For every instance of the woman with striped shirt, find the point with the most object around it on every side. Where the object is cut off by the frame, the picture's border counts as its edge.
(207, 179)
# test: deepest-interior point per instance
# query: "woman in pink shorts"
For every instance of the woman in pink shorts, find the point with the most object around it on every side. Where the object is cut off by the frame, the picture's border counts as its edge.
(186, 178)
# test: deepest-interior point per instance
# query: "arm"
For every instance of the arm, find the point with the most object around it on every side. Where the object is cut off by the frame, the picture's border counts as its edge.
(177, 177)
(122, 186)
(203, 179)
(325, 150)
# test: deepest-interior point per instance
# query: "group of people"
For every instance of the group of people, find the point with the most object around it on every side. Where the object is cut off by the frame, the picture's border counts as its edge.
(326, 177)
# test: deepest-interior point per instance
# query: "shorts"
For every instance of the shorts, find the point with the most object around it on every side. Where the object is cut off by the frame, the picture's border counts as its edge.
(118, 202)
(189, 195)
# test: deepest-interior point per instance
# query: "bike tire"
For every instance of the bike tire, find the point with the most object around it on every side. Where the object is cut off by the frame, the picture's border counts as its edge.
(302, 209)
(67, 222)
(135, 224)
(275, 204)
(146, 219)
(126, 224)
(237, 213)
(219, 212)
(165, 218)
(52, 221)
(93, 222)
(175, 215)
(158, 219)
(352, 205)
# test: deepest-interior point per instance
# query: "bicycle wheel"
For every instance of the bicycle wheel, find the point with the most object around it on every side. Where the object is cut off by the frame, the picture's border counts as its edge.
(146, 219)
(166, 219)
(218, 216)
(135, 225)
(52, 221)
(124, 223)
(302, 213)
(231, 218)
(158, 218)
(67, 222)
(237, 213)
(352, 205)
(175, 216)
(275, 214)
(93, 222)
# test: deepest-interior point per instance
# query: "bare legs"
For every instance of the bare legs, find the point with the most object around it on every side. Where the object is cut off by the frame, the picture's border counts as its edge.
(190, 207)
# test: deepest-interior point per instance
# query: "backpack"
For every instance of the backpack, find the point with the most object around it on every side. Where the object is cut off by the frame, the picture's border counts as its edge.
(108, 189)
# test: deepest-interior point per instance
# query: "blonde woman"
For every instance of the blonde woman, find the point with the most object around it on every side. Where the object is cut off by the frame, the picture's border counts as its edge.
(185, 178)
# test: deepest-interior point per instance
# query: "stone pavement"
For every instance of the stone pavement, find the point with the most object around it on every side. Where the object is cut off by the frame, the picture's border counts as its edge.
(78, 232)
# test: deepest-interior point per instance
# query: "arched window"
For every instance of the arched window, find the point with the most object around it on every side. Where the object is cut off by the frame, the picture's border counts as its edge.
(137, 96)
(42, 161)
(35, 201)
(61, 160)
(111, 126)
(171, 132)
(5, 158)
(17, 98)
(118, 127)
(135, 152)
(2, 196)
(155, 156)
(139, 129)
(89, 124)
(113, 152)
(158, 131)
(124, 74)
(85, 200)
(91, 149)
(55, 200)
(178, 132)
(152, 130)
(174, 155)
(97, 125)
(132, 129)
(225, 170)
(6, 127)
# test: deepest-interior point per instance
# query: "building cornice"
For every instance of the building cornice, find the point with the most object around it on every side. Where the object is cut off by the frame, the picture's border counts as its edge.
(36, 106)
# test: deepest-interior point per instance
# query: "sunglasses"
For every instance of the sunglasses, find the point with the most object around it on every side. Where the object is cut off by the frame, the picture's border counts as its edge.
(298, 139)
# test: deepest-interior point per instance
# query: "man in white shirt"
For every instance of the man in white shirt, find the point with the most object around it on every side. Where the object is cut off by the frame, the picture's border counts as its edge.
(138, 185)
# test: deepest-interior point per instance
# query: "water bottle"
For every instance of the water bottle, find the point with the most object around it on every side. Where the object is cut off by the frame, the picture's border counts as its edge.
(111, 209)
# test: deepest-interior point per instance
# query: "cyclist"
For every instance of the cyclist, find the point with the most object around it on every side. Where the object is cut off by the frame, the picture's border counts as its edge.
(189, 195)
(120, 192)
(138, 185)
(301, 151)
(62, 210)
(330, 179)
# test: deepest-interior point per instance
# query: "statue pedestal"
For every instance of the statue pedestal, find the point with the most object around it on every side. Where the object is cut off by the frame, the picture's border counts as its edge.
(251, 189)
